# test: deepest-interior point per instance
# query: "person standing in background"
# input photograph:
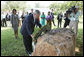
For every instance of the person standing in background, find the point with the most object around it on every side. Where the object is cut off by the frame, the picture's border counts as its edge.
(52, 14)
(23, 17)
(74, 19)
(67, 20)
(15, 22)
(59, 18)
(31, 11)
(4, 24)
(7, 17)
(43, 19)
(49, 20)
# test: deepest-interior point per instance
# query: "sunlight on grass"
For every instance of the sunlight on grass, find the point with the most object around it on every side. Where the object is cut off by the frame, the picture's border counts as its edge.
(5, 28)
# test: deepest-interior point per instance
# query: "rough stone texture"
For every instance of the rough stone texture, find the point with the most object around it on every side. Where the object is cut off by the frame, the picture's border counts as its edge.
(57, 42)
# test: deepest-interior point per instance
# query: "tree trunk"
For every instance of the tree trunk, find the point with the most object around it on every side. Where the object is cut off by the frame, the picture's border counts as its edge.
(57, 42)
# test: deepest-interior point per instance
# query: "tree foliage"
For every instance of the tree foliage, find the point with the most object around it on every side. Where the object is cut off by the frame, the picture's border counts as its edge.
(66, 5)
(37, 5)
(9, 5)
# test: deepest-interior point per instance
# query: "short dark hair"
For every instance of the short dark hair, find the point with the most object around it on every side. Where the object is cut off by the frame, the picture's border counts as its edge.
(37, 11)
(14, 10)
(48, 12)
(31, 9)
(51, 9)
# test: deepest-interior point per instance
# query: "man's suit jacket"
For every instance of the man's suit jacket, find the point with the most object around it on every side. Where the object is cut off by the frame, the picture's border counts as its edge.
(28, 25)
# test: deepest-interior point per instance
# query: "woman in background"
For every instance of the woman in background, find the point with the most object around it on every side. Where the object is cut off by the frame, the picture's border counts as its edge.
(15, 22)
(43, 19)
(49, 19)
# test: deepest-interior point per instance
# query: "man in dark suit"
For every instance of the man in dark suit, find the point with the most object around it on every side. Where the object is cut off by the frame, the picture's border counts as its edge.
(27, 29)
(59, 18)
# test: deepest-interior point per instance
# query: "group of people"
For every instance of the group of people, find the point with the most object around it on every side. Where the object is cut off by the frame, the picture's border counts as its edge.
(4, 18)
(72, 19)
(33, 19)
(28, 25)
(49, 17)
(59, 18)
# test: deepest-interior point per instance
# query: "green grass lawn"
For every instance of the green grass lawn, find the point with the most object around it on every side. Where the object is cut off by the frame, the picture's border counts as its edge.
(15, 47)
(10, 46)
(79, 43)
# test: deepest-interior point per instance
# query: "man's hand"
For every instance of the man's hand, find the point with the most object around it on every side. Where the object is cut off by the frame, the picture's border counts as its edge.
(32, 36)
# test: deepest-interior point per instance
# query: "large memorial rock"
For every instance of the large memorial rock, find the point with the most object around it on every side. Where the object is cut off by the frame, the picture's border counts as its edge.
(57, 42)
